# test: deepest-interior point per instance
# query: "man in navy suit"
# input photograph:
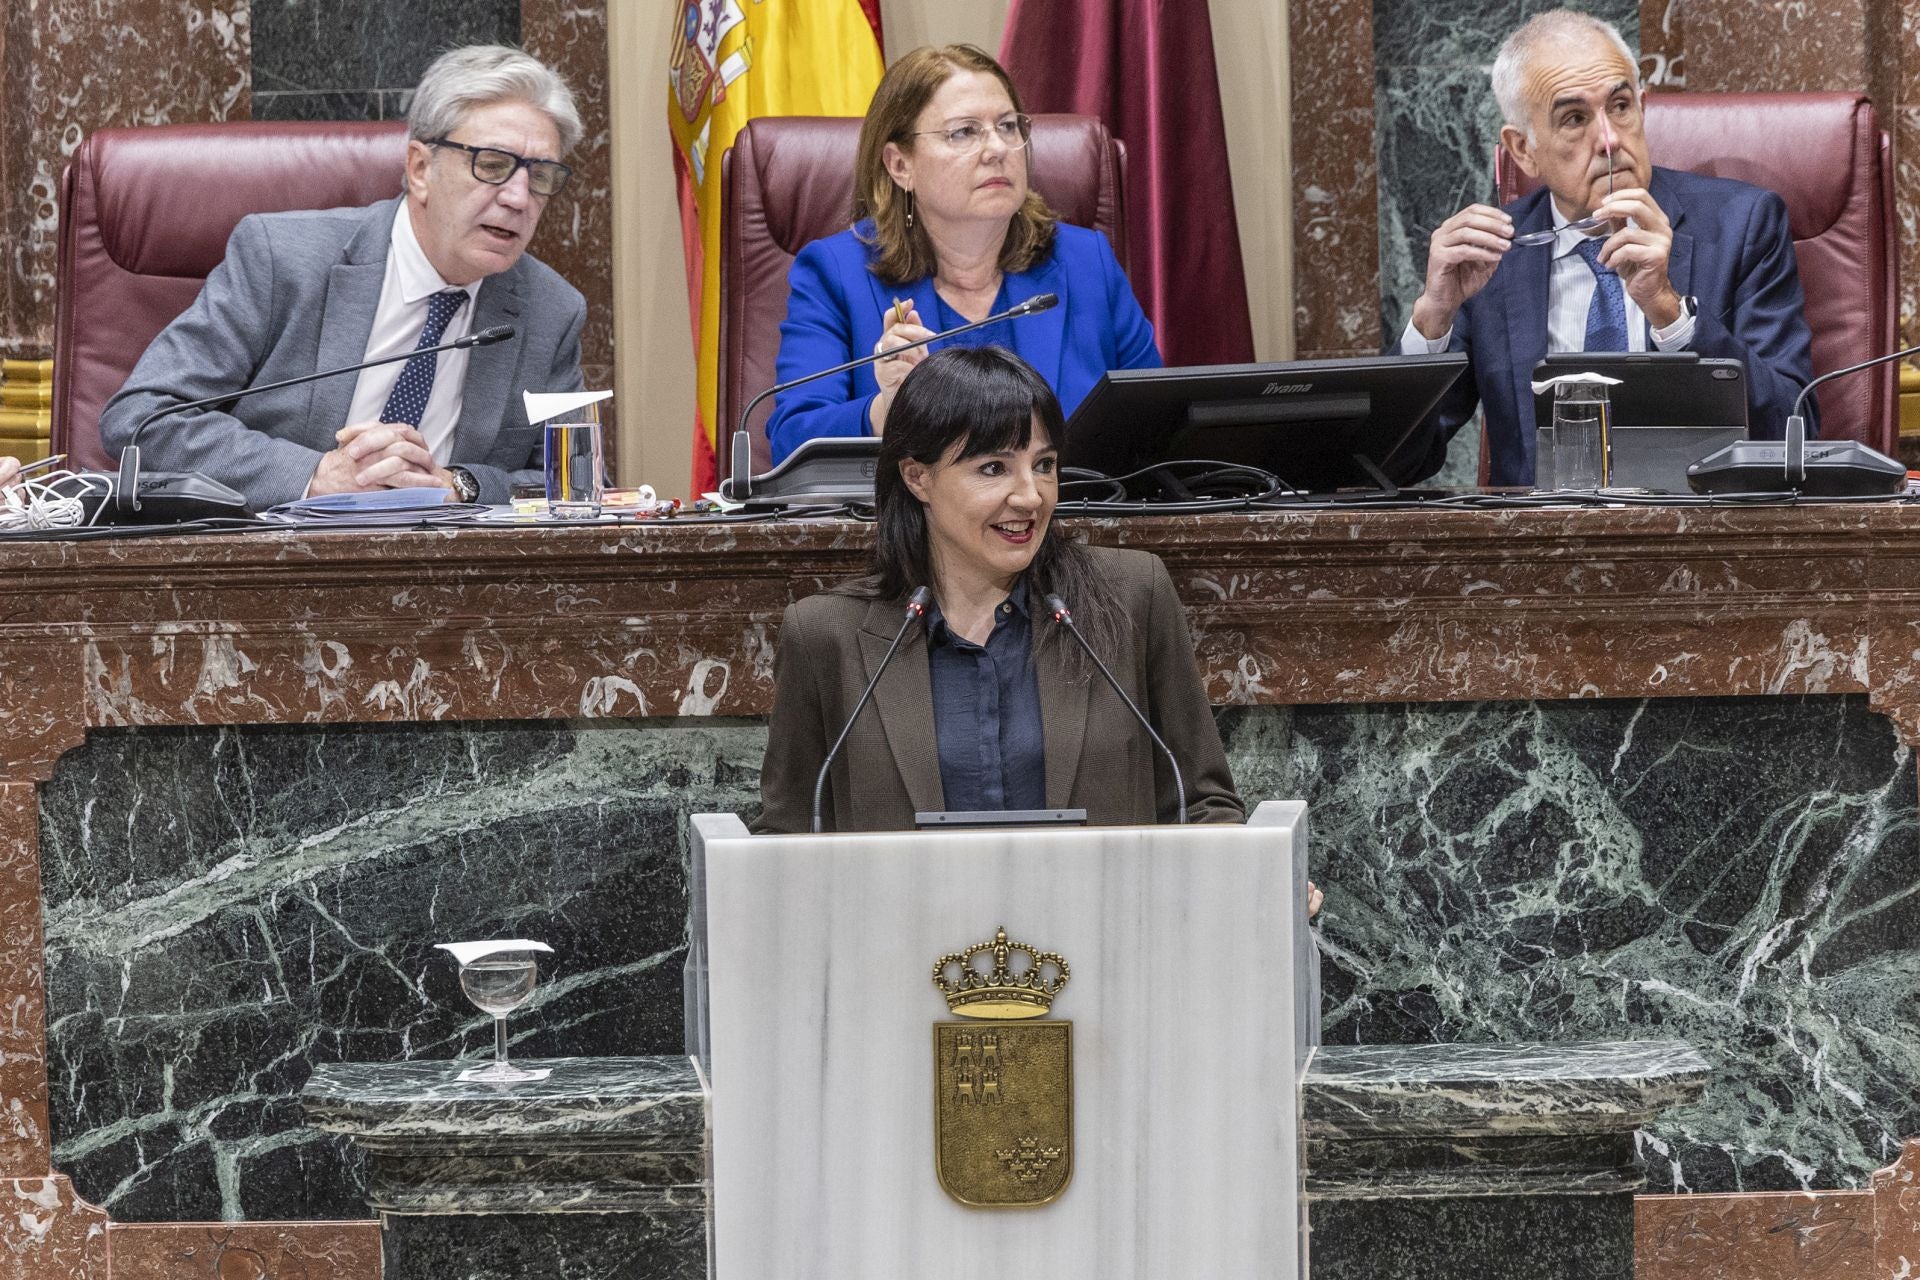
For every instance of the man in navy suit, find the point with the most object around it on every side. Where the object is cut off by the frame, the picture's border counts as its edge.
(1677, 262)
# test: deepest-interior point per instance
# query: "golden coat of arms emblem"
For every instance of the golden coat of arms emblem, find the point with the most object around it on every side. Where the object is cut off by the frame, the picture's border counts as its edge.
(1002, 1082)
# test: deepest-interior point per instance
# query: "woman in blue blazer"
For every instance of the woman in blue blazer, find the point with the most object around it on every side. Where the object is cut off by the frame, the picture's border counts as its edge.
(947, 231)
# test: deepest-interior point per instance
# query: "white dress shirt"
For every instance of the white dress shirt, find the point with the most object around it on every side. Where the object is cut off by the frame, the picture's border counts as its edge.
(397, 323)
(1570, 286)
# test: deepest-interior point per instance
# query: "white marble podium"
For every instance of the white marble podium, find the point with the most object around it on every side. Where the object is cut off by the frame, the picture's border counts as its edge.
(810, 1008)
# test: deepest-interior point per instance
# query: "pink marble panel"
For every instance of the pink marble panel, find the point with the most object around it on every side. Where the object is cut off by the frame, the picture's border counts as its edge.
(1746, 45)
(1906, 195)
(576, 235)
(1821, 1235)
(73, 66)
(245, 1251)
(1336, 259)
(1663, 45)
(47, 1232)
(1896, 1198)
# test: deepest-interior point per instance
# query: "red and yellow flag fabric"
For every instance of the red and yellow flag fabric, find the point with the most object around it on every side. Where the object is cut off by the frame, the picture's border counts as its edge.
(734, 60)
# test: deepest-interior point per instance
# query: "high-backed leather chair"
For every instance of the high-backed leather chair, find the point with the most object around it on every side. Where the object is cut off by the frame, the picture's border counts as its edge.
(1826, 156)
(144, 217)
(789, 181)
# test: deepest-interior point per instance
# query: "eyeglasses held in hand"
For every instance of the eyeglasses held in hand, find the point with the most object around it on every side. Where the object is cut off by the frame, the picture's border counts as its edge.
(496, 167)
(964, 137)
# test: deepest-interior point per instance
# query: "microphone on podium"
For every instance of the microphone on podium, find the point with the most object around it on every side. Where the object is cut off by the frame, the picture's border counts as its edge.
(1064, 616)
(916, 609)
(127, 492)
(739, 485)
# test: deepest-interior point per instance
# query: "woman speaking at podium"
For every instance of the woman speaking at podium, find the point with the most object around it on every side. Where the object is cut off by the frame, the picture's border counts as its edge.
(946, 232)
(988, 702)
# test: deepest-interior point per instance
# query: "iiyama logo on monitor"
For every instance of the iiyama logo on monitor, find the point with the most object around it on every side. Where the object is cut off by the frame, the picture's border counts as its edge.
(1285, 388)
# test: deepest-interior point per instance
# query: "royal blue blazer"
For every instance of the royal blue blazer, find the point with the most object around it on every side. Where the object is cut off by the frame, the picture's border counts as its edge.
(1732, 251)
(836, 312)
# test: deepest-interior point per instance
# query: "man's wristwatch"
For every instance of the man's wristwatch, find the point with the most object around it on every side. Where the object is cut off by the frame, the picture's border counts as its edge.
(465, 487)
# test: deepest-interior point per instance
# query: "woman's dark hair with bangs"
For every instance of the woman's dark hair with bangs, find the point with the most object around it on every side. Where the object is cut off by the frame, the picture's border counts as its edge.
(981, 400)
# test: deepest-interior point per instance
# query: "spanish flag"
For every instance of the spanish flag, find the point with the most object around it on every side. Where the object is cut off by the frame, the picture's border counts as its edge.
(734, 60)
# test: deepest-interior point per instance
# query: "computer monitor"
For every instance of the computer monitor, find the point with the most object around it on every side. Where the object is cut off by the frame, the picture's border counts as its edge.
(1319, 425)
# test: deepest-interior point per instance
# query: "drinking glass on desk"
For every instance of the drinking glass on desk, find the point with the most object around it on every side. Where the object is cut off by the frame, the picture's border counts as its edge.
(1581, 438)
(576, 465)
(498, 978)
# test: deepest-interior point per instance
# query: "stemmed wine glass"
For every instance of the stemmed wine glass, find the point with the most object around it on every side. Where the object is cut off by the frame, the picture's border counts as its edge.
(498, 977)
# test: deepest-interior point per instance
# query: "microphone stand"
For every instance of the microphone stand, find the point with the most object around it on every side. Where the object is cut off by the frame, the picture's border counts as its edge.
(1061, 614)
(916, 609)
(739, 484)
(126, 493)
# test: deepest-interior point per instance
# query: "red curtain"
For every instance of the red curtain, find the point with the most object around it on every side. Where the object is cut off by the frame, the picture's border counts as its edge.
(1146, 68)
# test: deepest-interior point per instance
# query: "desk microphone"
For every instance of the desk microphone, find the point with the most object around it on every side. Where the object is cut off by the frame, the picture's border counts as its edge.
(1843, 468)
(916, 609)
(126, 494)
(739, 484)
(1796, 459)
(1061, 614)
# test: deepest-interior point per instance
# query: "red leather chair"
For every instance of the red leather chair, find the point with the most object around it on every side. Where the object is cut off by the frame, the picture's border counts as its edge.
(144, 217)
(788, 181)
(1826, 156)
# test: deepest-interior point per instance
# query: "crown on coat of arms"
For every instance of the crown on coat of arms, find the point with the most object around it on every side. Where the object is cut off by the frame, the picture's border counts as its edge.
(1021, 984)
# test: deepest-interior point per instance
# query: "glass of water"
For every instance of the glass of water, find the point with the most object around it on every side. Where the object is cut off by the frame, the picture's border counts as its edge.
(1581, 439)
(498, 983)
(576, 465)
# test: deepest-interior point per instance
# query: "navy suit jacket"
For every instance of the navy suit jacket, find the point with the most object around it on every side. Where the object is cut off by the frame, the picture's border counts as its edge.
(1731, 250)
(836, 312)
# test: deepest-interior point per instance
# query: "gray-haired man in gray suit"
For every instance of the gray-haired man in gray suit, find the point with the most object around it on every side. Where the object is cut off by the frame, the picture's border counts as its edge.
(298, 292)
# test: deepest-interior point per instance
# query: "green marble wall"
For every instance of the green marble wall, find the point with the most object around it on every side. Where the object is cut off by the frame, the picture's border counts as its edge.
(227, 907)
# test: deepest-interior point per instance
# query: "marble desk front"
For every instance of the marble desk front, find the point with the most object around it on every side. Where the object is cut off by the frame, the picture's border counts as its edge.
(242, 773)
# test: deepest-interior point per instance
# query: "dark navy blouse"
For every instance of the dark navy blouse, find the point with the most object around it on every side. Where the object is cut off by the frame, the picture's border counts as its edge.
(986, 712)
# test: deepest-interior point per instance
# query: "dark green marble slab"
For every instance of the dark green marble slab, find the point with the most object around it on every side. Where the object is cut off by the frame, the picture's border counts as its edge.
(228, 908)
(1735, 873)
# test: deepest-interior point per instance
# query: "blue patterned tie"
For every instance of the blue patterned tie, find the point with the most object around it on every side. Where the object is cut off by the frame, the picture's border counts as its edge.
(1607, 317)
(410, 395)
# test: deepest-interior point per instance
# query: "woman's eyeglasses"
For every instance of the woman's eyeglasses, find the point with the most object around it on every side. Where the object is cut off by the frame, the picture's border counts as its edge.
(967, 136)
(496, 167)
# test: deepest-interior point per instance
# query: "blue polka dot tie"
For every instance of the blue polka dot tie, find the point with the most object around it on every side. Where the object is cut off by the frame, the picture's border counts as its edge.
(410, 395)
(1607, 317)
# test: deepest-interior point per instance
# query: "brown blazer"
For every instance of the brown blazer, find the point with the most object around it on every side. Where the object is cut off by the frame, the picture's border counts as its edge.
(1098, 757)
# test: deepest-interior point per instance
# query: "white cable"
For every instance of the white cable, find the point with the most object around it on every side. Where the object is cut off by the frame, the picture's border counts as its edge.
(35, 504)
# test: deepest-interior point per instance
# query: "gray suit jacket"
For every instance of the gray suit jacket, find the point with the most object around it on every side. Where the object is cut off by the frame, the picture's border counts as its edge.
(1097, 756)
(296, 293)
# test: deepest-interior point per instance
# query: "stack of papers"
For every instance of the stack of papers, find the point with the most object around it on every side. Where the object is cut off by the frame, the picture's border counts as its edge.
(383, 506)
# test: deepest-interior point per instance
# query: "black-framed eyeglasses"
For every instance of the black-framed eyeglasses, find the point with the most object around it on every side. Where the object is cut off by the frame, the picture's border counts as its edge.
(496, 167)
(965, 137)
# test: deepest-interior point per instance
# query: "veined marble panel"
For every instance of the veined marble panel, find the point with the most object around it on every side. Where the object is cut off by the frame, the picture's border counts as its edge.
(346, 45)
(226, 908)
(1734, 873)
(1179, 945)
